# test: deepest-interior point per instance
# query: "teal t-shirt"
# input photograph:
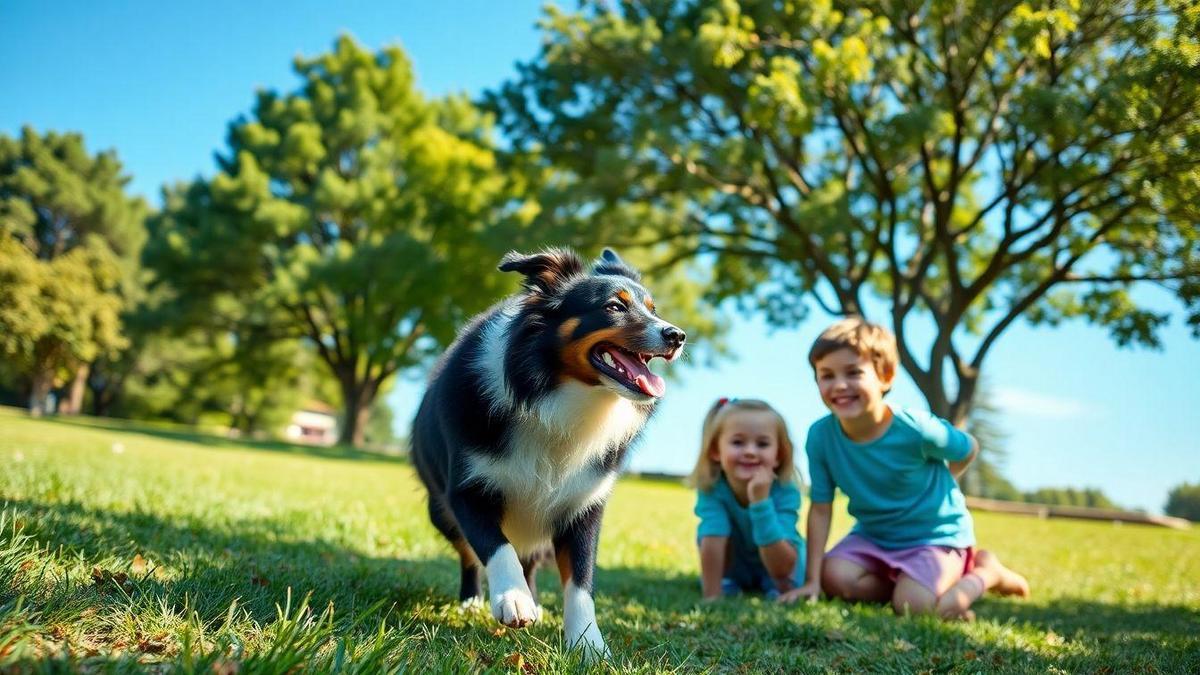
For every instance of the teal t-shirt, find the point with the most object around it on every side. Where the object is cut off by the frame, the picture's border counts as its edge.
(900, 489)
(749, 527)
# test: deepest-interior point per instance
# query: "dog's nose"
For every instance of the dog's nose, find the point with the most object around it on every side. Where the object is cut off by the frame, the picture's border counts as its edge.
(674, 336)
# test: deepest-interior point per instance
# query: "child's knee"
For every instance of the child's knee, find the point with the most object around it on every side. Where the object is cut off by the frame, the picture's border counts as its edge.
(836, 585)
(912, 599)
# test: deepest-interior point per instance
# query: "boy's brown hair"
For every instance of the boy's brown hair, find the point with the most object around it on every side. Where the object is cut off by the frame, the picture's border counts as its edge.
(866, 339)
(707, 469)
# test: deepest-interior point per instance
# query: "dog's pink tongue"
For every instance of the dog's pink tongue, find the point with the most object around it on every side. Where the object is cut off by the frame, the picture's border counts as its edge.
(648, 382)
(651, 384)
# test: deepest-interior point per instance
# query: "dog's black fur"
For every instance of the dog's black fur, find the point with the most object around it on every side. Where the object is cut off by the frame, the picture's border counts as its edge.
(526, 421)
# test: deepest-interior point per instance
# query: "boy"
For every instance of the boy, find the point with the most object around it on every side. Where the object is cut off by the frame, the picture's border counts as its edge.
(913, 543)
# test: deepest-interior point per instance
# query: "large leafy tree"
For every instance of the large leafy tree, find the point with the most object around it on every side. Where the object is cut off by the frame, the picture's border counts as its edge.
(971, 163)
(69, 240)
(353, 212)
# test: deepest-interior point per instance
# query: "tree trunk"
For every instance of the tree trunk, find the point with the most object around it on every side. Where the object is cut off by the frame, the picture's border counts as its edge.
(73, 405)
(43, 382)
(357, 398)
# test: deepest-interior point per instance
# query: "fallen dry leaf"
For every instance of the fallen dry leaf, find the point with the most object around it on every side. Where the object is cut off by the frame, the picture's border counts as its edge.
(138, 566)
(226, 667)
(105, 578)
(152, 646)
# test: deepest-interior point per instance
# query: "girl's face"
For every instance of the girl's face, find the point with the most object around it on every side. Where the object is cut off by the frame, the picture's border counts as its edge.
(747, 442)
(849, 385)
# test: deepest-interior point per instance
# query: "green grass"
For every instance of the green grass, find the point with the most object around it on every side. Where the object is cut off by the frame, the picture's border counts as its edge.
(124, 547)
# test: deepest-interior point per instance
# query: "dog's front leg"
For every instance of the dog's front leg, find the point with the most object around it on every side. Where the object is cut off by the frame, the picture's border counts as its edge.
(575, 550)
(478, 513)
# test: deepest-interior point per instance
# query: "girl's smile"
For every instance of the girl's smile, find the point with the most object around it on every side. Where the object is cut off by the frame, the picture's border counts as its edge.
(747, 444)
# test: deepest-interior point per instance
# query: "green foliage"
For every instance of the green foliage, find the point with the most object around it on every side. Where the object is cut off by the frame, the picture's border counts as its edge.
(1092, 497)
(1184, 502)
(69, 240)
(189, 553)
(352, 212)
(972, 163)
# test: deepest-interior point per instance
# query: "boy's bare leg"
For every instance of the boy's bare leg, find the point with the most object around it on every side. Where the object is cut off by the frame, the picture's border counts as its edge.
(850, 581)
(989, 574)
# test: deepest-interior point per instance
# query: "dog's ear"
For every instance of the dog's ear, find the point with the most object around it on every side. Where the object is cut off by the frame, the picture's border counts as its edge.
(611, 263)
(544, 272)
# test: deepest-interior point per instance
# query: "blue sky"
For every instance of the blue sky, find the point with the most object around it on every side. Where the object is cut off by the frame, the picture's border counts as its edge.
(160, 81)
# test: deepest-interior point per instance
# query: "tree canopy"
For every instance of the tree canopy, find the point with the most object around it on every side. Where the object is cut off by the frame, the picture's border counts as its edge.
(969, 163)
(69, 239)
(354, 212)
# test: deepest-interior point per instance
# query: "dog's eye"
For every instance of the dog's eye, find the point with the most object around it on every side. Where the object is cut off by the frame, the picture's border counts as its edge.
(615, 306)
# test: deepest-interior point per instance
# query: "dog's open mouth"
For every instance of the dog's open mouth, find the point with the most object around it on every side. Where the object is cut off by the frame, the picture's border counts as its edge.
(628, 368)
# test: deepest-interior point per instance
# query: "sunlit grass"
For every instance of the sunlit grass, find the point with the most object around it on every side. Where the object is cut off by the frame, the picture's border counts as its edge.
(128, 546)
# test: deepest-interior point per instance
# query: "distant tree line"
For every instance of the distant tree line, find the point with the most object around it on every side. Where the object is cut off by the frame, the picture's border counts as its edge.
(1184, 502)
(970, 165)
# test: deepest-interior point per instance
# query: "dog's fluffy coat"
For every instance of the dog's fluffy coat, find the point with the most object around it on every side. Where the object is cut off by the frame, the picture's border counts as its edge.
(525, 424)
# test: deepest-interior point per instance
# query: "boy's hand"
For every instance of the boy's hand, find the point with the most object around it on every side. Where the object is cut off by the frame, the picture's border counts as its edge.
(759, 487)
(808, 592)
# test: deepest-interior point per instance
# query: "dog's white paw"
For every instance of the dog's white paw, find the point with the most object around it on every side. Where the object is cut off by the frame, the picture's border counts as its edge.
(471, 604)
(591, 643)
(579, 624)
(515, 608)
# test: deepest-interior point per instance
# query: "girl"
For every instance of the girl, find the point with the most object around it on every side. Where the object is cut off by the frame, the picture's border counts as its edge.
(748, 502)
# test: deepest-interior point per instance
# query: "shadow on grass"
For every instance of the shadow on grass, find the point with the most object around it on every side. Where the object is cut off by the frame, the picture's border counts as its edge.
(186, 435)
(651, 619)
(1070, 616)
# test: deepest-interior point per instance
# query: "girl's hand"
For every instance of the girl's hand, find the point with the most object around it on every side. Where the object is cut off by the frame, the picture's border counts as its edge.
(759, 487)
(808, 592)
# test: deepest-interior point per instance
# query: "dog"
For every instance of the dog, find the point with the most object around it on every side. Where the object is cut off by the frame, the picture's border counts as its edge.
(525, 423)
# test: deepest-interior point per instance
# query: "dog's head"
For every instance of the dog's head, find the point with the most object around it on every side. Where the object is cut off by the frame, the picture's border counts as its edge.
(596, 325)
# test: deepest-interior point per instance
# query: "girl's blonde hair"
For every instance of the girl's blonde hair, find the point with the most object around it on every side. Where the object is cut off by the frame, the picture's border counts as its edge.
(707, 469)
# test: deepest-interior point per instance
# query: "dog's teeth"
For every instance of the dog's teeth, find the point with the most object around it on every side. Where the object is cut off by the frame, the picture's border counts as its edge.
(608, 359)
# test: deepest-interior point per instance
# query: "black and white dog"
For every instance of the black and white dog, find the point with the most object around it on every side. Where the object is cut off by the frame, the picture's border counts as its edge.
(525, 423)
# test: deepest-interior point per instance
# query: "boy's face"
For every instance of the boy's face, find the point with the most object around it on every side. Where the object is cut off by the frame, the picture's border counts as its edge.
(850, 387)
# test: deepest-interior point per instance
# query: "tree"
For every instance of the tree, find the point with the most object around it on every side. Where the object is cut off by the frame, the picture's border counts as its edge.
(971, 163)
(984, 477)
(69, 238)
(352, 212)
(1184, 502)
(1090, 497)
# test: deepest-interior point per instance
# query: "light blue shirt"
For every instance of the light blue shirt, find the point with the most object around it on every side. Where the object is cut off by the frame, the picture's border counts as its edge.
(749, 527)
(900, 489)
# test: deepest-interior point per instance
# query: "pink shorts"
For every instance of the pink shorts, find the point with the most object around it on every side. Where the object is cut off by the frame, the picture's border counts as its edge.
(937, 568)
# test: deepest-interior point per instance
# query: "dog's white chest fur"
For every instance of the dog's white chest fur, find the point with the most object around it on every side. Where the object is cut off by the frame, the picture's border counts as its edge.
(548, 473)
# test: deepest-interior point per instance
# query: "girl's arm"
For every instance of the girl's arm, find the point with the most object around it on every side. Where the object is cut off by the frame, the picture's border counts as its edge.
(780, 560)
(957, 468)
(712, 565)
(773, 521)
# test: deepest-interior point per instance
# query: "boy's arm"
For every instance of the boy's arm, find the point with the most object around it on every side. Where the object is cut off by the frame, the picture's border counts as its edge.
(957, 468)
(819, 516)
(712, 565)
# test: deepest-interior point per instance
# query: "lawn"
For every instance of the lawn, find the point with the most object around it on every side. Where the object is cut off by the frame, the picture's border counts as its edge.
(124, 547)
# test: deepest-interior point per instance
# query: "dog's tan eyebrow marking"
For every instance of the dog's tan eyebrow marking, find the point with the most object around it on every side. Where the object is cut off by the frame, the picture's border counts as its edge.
(625, 297)
(567, 329)
(649, 304)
